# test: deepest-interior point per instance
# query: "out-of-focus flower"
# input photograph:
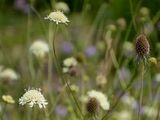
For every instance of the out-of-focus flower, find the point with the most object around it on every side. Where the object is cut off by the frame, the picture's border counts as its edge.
(57, 17)
(144, 11)
(61, 110)
(152, 60)
(142, 47)
(33, 97)
(70, 62)
(8, 74)
(62, 6)
(74, 88)
(22, 6)
(83, 98)
(128, 49)
(100, 97)
(101, 80)
(124, 74)
(111, 27)
(150, 111)
(157, 77)
(129, 101)
(39, 48)
(90, 51)
(123, 115)
(67, 47)
(148, 28)
(70, 66)
(121, 22)
(8, 99)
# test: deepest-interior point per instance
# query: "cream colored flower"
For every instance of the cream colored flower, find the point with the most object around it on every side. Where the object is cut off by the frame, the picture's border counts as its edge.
(150, 111)
(57, 17)
(144, 11)
(8, 74)
(123, 115)
(62, 6)
(74, 88)
(121, 22)
(101, 98)
(153, 60)
(101, 80)
(33, 97)
(157, 77)
(39, 48)
(8, 99)
(70, 62)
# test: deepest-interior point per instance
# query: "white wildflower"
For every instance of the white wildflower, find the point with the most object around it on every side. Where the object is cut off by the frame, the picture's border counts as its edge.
(123, 115)
(39, 48)
(74, 88)
(70, 62)
(101, 80)
(8, 74)
(101, 98)
(150, 111)
(57, 17)
(33, 97)
(157, 77)
(62, 6)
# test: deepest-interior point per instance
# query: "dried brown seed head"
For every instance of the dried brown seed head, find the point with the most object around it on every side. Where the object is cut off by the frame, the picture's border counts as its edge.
(142, 46)
(92, 105)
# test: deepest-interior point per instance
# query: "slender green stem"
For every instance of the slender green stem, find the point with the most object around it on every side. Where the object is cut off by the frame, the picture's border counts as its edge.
(133, 15)
(141, 92)
(158, 113)
(65, 82)
(50, 37)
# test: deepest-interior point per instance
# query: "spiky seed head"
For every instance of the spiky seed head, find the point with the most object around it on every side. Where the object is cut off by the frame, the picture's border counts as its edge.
(142, 46)
(92, 105)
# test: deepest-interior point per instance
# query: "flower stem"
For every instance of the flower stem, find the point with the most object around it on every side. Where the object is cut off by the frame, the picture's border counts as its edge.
(141, 92)
(65, 82)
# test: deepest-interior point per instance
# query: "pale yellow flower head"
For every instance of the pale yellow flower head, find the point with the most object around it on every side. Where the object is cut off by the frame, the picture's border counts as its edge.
(123, 115)
(57, 17)
(74, 88)
(152, 60)
(8, 74)
(33, 97)
(144, 11)
(70, 62)
(8, 99)
(62, 6)
(150, 112)
(39, 48)
(101, 80)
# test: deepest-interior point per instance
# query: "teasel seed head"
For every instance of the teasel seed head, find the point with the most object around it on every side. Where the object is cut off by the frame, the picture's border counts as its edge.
(142, 47)
(92, 105)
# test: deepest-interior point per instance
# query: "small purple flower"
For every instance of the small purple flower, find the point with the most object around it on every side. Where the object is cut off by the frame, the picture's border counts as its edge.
(22, 5)
(67, 47)
(90, 51)
(61, 110)
(124, 74)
